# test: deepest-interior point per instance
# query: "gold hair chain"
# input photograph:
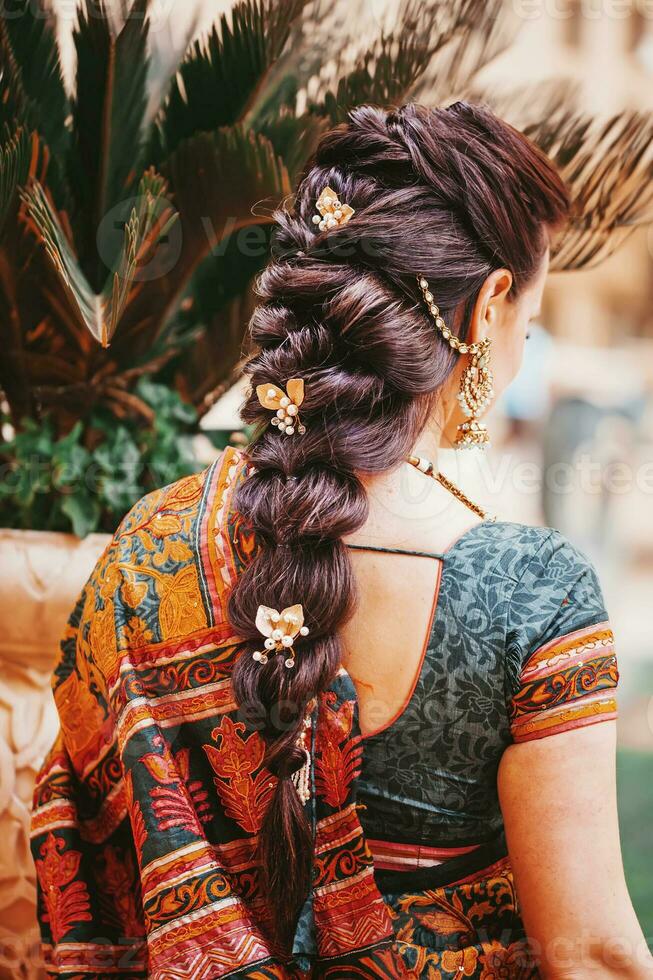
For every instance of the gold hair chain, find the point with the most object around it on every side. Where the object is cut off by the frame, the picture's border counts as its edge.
(477, 382)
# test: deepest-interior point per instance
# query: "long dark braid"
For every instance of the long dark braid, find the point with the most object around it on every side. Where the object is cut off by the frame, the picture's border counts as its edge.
(452, 194)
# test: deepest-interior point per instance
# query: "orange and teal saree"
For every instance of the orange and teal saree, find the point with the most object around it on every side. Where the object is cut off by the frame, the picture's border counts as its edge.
(147, 808)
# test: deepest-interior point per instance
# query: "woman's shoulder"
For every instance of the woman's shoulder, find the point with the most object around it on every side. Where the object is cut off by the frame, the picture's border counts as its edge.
(521, 552)
(535, 578)
(551, 588)
(538, 598)
(178, 510)
(184, 497)
(167, 570)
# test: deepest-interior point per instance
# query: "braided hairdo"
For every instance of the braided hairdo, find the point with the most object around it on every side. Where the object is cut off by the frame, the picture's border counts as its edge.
(452, 194)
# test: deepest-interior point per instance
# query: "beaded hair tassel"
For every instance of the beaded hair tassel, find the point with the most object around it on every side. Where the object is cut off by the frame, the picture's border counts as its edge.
(477, 382)
(302, 777)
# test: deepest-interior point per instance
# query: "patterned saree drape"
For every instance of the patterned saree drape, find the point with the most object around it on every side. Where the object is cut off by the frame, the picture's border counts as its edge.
(147, 809)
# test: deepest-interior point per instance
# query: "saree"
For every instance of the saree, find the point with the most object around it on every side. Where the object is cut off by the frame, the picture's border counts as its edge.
(148, 807)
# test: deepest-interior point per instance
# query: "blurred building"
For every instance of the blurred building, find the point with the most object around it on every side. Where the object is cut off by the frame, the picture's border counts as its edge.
(606, 49)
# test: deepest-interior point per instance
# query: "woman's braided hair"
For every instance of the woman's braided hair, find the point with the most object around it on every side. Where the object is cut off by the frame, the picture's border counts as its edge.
(451, 194)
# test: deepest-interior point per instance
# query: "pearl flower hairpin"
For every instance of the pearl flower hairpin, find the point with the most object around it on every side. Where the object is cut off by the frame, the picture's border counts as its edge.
(332, 212)
(285, 404)
(280, 630)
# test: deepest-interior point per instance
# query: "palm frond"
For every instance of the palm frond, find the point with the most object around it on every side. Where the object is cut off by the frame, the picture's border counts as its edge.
(100, 312)
(222, 182)
(225, 185)
(543, 100)
(429, 41)
(149, 223)
(22, 105)
(109, 111)
(218, 82)
(608, 167)
(217, 305)
(475, 35)
(301, 62)
(31, 31)
(168, 48)
(293, 137)
(381, 76)
(16, 156)
(42, 219)
(20, 155)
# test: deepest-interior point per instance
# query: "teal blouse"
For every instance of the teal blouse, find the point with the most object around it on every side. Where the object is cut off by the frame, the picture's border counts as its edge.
(519, 648)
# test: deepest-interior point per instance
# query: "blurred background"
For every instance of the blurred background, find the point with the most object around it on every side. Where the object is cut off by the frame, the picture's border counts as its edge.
(121, 335)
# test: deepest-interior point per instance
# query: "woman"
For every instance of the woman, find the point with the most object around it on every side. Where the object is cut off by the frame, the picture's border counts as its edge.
(308, 694)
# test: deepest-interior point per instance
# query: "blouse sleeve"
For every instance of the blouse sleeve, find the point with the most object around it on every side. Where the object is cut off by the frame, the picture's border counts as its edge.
(561, 663)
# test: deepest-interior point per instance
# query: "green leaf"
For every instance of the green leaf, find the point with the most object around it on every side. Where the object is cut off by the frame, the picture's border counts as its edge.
(34, 439)
(108, 113)
(70, 458)
(119, 453)
(169, 407)
(219, 81)
(83, 510)
(59, 484)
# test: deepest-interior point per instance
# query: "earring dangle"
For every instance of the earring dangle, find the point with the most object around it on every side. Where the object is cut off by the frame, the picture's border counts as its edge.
(476, 390)
(477, 382)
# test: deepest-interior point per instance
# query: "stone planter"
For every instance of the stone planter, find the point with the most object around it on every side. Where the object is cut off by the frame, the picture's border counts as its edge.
(41, 574)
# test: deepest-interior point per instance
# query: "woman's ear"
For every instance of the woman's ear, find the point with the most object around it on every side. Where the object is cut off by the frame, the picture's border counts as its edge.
(491, 304)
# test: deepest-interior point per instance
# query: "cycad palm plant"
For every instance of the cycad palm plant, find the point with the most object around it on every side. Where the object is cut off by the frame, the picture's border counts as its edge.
(129, 237)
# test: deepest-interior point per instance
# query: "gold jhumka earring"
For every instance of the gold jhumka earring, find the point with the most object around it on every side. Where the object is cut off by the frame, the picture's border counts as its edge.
(477, 383)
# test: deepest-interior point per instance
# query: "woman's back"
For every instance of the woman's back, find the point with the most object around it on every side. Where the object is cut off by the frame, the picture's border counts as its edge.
(517, 644)
(451, 614)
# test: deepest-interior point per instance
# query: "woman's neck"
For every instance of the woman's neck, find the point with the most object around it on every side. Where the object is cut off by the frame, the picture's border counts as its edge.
(402, 500)
(390, 481)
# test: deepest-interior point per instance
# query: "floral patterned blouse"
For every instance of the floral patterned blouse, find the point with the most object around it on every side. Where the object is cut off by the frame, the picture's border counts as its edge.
(148, 806)
(519, 648)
